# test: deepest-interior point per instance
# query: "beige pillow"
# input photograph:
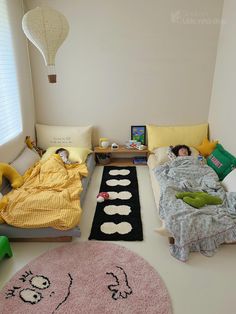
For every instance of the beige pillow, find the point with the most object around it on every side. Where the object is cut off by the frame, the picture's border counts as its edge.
(191, 135)
(25, 160)
(49, 135)
(161, 154)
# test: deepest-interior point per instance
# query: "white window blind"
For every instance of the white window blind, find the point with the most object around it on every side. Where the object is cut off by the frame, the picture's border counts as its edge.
(10, 110)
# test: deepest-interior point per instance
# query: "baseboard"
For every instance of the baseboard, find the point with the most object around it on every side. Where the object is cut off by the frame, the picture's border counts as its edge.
(49, 239)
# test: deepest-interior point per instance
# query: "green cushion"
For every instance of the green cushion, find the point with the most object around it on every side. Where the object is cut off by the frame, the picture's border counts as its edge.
(221, 161)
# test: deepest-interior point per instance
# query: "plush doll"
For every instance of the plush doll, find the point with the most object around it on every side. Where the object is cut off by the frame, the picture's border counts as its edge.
(15, 179)
(31, 144)
(11, 174)
(198, 199)
(206, 147)
(102, 196)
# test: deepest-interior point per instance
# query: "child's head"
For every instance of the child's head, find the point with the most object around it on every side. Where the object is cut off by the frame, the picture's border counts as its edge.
(62, 152)
(181, 150)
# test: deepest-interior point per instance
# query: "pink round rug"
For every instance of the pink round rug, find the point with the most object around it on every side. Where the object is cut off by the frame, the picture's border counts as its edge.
(87, 278)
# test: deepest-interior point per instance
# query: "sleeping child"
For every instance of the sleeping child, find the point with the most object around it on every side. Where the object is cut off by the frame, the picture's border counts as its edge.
(64, 154)
(182, 151)
(178, 151)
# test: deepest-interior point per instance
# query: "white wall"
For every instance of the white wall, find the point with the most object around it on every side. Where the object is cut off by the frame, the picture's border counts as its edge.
(223, 102)
(129, 62)
(11, 150)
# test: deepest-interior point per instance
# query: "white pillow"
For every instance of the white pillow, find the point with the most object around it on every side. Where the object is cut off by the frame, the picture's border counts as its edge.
(49, 135)
(161, 154)
(25, 160)
(229, 182)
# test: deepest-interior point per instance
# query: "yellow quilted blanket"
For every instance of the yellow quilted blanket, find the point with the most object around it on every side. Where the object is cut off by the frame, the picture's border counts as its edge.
(49, 197)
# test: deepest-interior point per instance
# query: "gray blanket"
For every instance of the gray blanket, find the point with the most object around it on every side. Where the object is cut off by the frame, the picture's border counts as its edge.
(193, 229)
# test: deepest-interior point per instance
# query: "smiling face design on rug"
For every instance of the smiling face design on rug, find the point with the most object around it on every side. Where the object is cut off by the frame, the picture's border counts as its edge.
(86, 277)
(32, 289)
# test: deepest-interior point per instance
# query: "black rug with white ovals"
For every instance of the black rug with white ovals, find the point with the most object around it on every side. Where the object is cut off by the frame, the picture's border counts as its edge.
(118, 218)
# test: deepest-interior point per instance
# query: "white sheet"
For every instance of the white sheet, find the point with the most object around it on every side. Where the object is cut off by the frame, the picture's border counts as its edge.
(152, 163)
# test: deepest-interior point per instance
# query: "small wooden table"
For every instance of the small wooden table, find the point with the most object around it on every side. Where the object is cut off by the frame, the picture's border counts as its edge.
(116, 158)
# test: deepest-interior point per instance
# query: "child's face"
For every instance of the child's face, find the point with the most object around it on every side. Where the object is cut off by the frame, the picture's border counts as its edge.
(64, 153)
(183, 152)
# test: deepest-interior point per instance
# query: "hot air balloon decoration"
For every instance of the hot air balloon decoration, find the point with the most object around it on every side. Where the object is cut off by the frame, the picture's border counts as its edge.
(47, 29)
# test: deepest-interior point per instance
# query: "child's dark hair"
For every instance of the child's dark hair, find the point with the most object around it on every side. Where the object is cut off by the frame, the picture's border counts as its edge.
(61, 149)
(176, 149)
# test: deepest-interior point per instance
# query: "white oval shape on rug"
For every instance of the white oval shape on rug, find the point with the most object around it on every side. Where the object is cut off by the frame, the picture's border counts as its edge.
(88, 278)
(122, 172)
(111, 227)
(114, 182)
(125, 195)
(117, 209)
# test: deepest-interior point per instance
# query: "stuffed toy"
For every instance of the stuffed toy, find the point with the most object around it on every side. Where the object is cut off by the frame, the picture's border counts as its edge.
(206, 147)
(198, 199)
(31, 144)
(102, 196)
(11, 174)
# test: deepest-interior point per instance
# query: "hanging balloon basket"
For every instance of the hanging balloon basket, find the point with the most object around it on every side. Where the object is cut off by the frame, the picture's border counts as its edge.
(52, 77)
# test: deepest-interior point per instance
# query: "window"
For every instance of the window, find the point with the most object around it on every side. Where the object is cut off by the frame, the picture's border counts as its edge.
(10, 110)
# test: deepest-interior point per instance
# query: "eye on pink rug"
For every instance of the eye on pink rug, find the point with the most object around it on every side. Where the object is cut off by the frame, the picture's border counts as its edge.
(86, 278)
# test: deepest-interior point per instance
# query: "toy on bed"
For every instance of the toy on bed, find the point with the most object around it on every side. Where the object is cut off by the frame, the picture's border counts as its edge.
(207, 147)
(31, 144)
(11, 174)
(13, 177)
(199, 199)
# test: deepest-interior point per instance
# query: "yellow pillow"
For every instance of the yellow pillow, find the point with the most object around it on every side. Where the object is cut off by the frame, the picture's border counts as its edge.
(206, 147)
(191, 135)
(76, 154)
(11, 174)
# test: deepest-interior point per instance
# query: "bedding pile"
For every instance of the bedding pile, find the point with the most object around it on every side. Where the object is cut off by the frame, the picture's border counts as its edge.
(194, 229)
(49, 197)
